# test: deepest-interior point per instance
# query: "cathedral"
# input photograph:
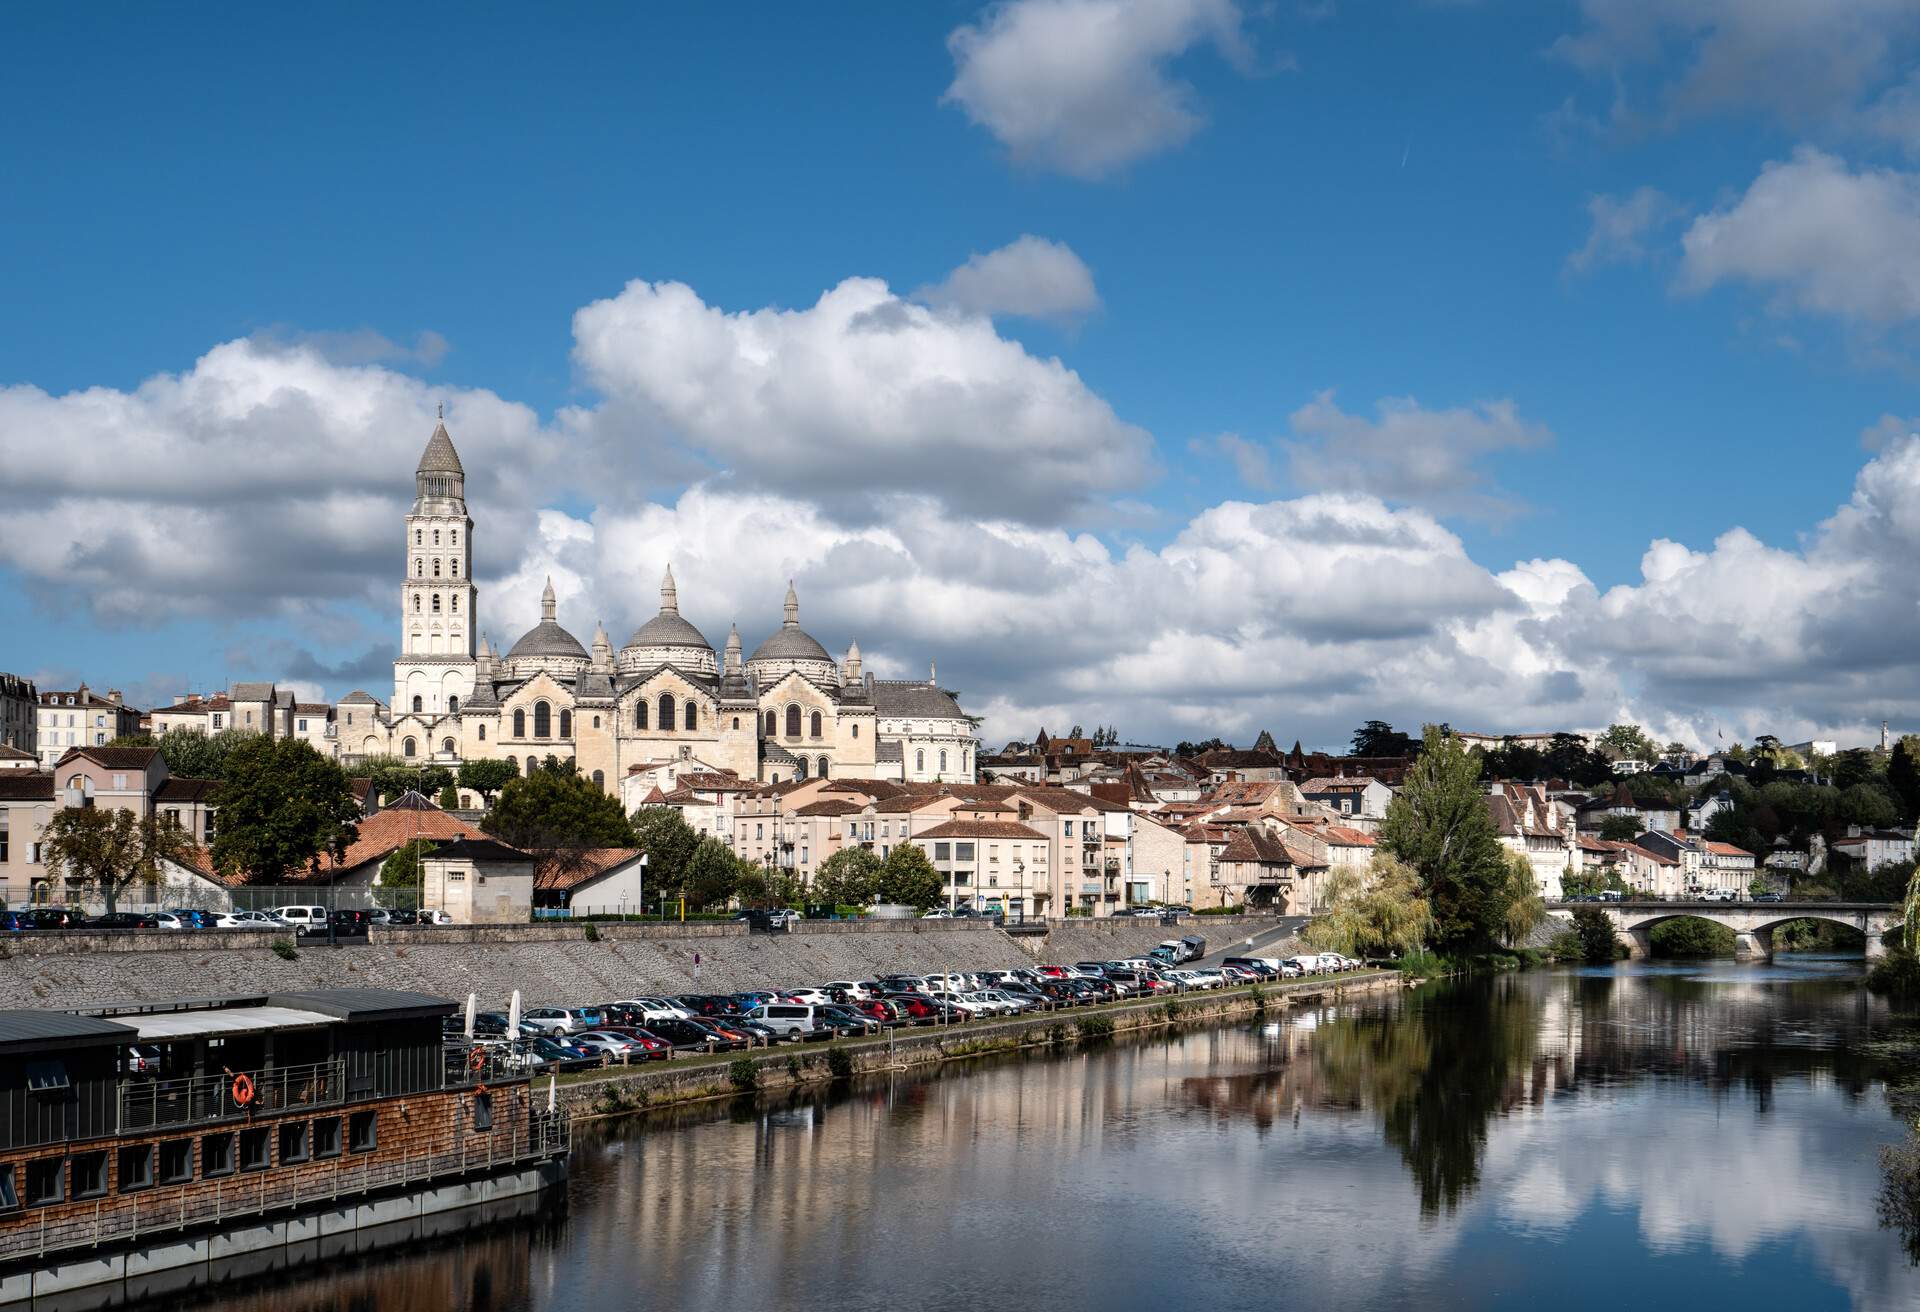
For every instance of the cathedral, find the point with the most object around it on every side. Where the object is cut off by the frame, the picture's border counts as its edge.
(789, 711)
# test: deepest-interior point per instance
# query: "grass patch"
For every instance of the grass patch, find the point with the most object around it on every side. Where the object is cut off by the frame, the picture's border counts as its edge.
(743, 1075)
(284, 949)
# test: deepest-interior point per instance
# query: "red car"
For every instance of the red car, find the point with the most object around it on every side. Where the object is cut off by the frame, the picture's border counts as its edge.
(1053, 972)
(658, 1049)
(887, 1013)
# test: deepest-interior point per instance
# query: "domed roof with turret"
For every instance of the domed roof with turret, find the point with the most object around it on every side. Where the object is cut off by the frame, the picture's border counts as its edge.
(668, 639)
(546, 646)
(792, 648)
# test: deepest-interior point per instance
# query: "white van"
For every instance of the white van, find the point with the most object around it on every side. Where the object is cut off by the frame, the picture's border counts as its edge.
(789, 1020)
(310, 919)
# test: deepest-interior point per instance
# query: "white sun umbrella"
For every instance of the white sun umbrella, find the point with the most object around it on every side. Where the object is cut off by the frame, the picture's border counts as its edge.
(473, 1003)
(553, 1088)
(513, 1016)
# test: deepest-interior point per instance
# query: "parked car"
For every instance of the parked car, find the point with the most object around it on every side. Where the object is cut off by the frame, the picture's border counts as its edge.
(1768, 897)
(432, 916)
(16, 922)
(350, 921)
(59, 918)
(623, 1044)
(188, 918)
(554, 1020)
(543, 1053)
(125, 920)
(846, 1021)
(789, 1020)
(250, 920)
(303, 918)
(854, 990)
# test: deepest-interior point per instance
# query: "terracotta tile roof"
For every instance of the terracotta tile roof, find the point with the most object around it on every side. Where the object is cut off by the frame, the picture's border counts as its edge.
(386, 832)
(115, 758)
(1348, 784)
(1727, 849)
(829, 806)
(25, 786)
(593, 863)
(176, 789)
(1259, 846)
(981, 829)
(1341, 836)
(200, 861)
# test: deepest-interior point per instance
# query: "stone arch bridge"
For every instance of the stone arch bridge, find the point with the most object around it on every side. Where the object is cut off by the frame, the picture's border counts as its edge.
(1752, 923)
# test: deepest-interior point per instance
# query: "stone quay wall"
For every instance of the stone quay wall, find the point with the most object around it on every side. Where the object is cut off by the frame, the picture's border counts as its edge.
(554, 963)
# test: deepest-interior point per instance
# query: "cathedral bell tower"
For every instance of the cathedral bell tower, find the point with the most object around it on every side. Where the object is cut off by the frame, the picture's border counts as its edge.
(434, 674)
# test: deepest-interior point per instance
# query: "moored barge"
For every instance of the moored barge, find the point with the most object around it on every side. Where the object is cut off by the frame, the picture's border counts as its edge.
(142, 1146)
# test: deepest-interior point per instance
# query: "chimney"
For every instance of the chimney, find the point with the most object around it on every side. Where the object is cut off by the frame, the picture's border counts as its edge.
(113, 695)
(179, 698)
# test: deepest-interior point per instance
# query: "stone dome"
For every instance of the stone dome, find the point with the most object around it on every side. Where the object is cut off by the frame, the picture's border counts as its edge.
(546, 647)
(791, 649)
(668, 639)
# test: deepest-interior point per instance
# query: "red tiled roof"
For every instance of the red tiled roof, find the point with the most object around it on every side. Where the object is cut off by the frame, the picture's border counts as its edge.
(593, 863)
(386, 832)
(981, 829)
(829, 806)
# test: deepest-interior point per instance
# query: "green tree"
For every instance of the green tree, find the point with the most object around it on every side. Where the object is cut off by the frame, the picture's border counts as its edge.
(1630, 740)
(1378, 913)
(1690, 936)
(757, 885)
(399, 883)
(668, 840)
(1620, 828)
(1903, 774)
(106, 849)
(1856, 765)
(190, 754)
(908, 879)
(712, 872)
(488, 775)
(1378, 738)
(850, 877)
(558, 816)
(1440, 824)
(390, 776)
(281, 806)
(1597, 941)
(1525, 907)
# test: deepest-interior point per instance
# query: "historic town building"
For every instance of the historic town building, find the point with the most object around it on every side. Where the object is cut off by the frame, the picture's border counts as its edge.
(788, 711)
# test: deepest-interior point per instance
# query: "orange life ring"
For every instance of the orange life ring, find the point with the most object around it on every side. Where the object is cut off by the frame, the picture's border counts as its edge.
(477, 1060)
(242, 1090)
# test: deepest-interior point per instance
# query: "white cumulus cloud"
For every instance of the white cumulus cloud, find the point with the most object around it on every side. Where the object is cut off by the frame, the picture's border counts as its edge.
(1083, 87)
(1030, 277)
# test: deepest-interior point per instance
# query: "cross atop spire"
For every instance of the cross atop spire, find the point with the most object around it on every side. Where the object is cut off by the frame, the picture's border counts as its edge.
(792, 620)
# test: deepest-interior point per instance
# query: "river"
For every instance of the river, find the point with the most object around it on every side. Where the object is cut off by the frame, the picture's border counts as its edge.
(1698, 1135)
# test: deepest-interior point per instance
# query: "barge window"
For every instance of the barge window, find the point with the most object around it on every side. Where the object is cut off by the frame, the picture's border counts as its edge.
(216, 1155)
(255, 1145)
(136, 1167)
(293, 1142)
(89, 1174)
(483, 1111)
(9, 1197)
(361, 1135)
(326, 1137)
(47, 1076)
(176, 1161)
(46, 1181)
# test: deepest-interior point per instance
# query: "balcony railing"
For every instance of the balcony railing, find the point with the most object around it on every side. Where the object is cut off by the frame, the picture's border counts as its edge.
(207, 1202)
(207, 1099)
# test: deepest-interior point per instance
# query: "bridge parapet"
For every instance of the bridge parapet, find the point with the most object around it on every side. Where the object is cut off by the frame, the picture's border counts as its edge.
(1752, 923)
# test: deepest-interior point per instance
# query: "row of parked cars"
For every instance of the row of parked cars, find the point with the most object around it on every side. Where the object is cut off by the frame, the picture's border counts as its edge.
(298, 919)
(654, 1028)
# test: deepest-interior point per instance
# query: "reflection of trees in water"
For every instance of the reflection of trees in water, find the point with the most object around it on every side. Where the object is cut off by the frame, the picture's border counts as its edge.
(1439, 1065)
(1435, 1073)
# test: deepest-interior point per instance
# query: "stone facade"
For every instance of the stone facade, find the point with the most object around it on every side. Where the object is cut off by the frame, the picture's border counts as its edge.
(789, 711)
(19, 713)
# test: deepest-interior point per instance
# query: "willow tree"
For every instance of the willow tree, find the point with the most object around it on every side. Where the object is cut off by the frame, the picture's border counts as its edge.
(1525, 907)
(1377, 912)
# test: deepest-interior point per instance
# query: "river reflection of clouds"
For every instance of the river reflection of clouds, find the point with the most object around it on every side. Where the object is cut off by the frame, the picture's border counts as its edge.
(1566, 1140)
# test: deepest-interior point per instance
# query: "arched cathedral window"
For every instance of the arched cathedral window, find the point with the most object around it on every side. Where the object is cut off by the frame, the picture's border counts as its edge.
(436, 537)
(640, 714)
(566, 723)
(823, 767)
(772, 726)
(419, 569)
(666, 712)
(436, 603)
(542, 720)
(816, 724)
(520, 725)
(407, 748)
(436, 567)
(793, 721)
(453, 705)
(688, 717)
(416, 704)
(453, 568)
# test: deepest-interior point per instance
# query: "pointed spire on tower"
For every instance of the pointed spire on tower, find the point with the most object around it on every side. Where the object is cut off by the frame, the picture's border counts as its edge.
(732, 661)
(548, 605)
(669, 595)
(602, 648)
(853, 662)
(792, 620)
(933, 675)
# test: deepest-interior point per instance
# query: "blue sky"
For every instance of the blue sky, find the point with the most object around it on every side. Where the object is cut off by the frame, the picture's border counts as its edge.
(1289, 216)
